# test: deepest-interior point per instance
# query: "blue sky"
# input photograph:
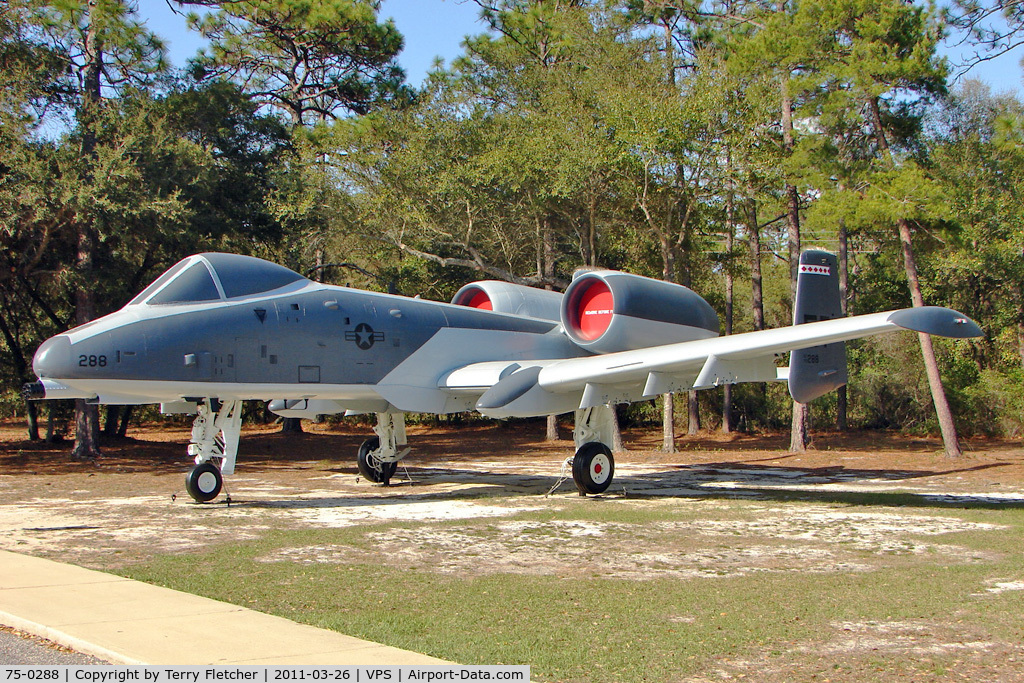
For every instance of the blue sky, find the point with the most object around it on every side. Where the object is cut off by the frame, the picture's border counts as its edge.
(431, 28)
(436, 28)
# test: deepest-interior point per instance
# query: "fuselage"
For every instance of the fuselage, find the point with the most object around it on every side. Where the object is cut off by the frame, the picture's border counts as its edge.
(234, 327)
(308, 339)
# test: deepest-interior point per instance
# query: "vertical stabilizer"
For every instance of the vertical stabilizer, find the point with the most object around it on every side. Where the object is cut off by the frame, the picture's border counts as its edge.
(817, 370)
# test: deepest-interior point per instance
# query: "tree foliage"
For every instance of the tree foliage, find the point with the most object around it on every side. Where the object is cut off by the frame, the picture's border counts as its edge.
(310, 59)
(676, 140)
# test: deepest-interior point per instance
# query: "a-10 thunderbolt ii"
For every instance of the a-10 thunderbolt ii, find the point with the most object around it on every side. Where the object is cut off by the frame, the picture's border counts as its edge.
(219, 329)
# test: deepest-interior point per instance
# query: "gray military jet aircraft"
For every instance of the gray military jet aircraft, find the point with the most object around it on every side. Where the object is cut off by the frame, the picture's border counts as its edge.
(219, 329)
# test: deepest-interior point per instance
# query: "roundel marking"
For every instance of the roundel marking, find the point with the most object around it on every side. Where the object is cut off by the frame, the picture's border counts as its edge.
(364, 336)
(594, 311)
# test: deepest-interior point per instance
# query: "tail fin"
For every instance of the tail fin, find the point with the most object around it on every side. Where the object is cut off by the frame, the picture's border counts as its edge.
(817, 370)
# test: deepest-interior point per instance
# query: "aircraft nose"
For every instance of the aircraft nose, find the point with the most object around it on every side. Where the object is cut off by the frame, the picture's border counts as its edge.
(53, 358)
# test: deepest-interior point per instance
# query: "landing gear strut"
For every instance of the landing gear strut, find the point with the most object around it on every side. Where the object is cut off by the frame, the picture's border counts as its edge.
(215, 434)
(378, 456)
(593, 466)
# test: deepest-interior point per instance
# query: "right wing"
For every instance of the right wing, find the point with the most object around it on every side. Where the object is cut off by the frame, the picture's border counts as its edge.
(545, 387)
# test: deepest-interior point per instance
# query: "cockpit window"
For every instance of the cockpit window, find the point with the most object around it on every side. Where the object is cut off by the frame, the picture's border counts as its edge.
(159, 282)
(213, 277)
(245, 275)
(195, 284)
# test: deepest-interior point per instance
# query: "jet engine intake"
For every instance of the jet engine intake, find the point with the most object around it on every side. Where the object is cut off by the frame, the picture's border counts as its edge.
(507, 297)
(608, 311)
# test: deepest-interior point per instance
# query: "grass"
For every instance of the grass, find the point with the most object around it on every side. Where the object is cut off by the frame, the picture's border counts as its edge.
(584, 626)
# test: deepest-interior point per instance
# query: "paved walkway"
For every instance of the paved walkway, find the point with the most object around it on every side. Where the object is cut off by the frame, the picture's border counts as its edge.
(128, 622)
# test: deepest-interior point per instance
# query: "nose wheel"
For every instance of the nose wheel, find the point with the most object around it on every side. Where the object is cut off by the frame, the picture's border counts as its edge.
(593, 468)
(203, 482)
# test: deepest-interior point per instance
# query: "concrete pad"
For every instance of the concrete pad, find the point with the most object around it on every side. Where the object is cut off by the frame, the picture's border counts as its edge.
(129, 622)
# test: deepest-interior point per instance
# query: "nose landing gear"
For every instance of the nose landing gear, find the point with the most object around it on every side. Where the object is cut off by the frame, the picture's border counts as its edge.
(204, 482)
(215, 435)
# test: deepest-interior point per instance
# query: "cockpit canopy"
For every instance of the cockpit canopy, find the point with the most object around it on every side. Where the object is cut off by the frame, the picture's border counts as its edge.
(215, 277)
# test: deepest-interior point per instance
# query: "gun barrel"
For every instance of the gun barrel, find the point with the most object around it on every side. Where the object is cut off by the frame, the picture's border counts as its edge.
(33, 391)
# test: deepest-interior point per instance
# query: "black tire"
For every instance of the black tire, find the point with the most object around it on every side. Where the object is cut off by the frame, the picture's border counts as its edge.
(203, 482)
(593, 468)
(366, 468)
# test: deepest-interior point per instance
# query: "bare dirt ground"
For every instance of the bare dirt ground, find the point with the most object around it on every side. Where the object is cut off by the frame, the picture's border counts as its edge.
(463, 506)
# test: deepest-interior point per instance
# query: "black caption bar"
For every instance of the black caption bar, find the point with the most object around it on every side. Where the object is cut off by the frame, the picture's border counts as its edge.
(261, 674)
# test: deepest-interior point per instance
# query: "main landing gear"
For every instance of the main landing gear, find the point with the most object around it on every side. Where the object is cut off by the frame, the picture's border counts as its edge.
(378, 456)
(204, 482)
(215, 434)
(593, 465)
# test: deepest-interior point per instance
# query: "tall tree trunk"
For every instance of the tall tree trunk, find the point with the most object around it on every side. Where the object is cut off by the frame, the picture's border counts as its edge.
(111, 423)
(592, 232)
(668, 256)
(126, 417)
(1018, 296)
(693, 413)
(87, 419)
(931, 365)
(844, 285)
(546, 266)
(756, 277)
(318, 264)
(668, 408)
(947, 426)
(1020, 338)
(87, 426)
(798, 436)
(551, 428)
(21, 371)
(668, 423)
(692, 404)
(32, 417)
(51, 435)
(727, 426)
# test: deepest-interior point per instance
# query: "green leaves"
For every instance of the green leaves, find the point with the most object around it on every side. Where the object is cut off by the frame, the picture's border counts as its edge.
(310, 59)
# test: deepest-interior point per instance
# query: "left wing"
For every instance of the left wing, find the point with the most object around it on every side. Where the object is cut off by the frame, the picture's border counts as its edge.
(543, 387)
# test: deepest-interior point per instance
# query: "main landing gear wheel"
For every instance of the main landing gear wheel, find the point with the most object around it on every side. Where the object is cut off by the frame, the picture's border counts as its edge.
(372, 469)
(593, 468)
(203, 482)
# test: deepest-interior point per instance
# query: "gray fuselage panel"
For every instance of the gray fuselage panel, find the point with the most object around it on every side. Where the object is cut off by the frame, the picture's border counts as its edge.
(325, 335)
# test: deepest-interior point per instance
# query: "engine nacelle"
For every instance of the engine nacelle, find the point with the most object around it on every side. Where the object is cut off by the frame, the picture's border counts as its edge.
(506, 297)
(606, 311)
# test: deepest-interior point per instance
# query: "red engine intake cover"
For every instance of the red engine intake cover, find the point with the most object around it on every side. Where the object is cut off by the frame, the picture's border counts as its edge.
(593, 312)
(608, 311)
(474, 297)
